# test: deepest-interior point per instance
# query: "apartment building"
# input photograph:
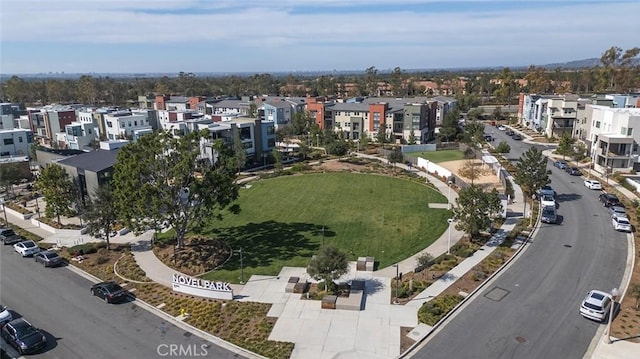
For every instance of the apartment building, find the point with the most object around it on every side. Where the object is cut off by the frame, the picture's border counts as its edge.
(551, 115)
(121, 124)
(15, 142)
(614, 135)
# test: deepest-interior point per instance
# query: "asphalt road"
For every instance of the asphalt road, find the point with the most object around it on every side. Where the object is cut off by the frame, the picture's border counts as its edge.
(78, 325)
(531, 310)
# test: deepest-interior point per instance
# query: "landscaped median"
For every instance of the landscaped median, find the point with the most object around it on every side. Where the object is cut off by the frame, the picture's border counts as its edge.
(244, 324)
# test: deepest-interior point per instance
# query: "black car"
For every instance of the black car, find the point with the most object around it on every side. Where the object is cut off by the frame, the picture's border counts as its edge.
(23, 336)
(608, 200)
(48, 258)
(8, 236)
(517, 137)
(510, 132)
(111, 292)
(574, 171)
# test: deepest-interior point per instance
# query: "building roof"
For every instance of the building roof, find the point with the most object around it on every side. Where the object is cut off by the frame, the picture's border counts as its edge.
(94, 161)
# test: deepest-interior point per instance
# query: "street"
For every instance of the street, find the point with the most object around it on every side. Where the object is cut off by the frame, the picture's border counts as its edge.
(531, 310)
(78, 325)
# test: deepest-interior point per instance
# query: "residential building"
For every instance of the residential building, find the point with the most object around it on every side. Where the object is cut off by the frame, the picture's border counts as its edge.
(121, 124)
(79, 135)
(561, 115)
(15, 142)
(89, 170)
(614, 135)
(444, 106)
(180, 122)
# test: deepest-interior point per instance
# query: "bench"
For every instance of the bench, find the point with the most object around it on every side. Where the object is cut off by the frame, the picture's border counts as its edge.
(365, 264)
(291, 284)
(354, 300)
(329, 302)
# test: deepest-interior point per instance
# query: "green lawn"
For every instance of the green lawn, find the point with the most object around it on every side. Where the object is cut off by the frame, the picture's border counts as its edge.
(439, 156)
(281, 220)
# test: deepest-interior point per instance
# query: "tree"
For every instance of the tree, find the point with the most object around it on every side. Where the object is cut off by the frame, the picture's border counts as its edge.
(449, 127)
(58, 190)
(565, 146)
(634, 291)
(412, 137)
(100, 213)
(474, 209)
(277, 160)
(364, 139)
(12, 173)
(338, 147)
(579, 152)
(503, 147)
(328, 265)
(470, 169)
(381, 135)
(531, 171)
(239, 153)
(395, 156)
(301, 123)
(155, 181)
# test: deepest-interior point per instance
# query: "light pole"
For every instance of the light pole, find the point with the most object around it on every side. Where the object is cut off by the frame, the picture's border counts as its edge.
(323, 236)
(38, 209)
(533, 197)
(4, 209)
(397, 275)
(317, 140)
(449, 195)
(241, 268)
(614, 294)
(450, 221)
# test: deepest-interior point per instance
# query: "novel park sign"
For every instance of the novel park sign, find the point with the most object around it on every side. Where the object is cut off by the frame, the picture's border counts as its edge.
(201, 287)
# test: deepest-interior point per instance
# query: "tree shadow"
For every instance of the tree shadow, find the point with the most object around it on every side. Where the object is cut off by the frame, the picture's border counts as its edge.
(567, 197)
(263, 242)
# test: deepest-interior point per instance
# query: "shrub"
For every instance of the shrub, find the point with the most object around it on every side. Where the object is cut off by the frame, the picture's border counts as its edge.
(300, 167)
(87, 248)
(431, 312)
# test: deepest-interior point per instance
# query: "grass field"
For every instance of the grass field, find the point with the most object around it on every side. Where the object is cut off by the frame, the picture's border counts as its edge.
(281, 221)
(439, 156)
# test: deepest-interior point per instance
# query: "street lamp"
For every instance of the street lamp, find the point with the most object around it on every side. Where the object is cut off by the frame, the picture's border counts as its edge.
(614, 294)
(450, 221)
(397, 280)
(4, 209)
(449, 195)
(241, 267)
(323, 236)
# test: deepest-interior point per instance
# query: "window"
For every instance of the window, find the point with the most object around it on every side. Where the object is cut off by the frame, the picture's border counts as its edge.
(20, 139)
(109, 124)
(8, 141)
(129, 123)
(135, 123)
(597, 124)
(629, 131)
(623, 130)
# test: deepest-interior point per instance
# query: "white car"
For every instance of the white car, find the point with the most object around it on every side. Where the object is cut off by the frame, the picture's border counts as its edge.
(5, 315)
(547, 201)
(502, 128)
(621, 224)
(596, 305)
(26, 248)
(592, 184)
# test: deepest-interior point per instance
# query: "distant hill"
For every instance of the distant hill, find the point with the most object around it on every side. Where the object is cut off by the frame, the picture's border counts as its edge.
(576, 64)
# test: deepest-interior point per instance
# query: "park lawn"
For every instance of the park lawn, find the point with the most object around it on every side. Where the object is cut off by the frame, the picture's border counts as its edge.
(439, 156)
(281, 220)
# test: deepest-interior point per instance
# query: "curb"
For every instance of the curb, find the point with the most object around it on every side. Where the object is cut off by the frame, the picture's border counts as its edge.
(185, 326)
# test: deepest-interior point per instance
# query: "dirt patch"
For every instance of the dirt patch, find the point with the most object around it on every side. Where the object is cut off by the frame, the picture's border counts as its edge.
(486, 177)
(198, 256)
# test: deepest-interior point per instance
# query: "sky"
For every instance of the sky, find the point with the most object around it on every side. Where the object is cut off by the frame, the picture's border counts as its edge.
(271, 36)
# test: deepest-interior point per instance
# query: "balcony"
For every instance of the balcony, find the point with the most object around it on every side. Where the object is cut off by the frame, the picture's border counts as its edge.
(612, 154)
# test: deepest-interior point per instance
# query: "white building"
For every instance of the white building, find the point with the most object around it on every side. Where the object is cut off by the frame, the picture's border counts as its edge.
(120, 125)
(614, 134)
(15, 142)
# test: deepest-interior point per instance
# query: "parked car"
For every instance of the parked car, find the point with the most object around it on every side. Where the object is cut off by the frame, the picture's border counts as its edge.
(608, 200)
(48, 258)
(8, 236)
(547, 201)
(26, 248)
(574, 171)
(596, 305)
(621, 223)
(546, 191)
(111, 292)
(617, 211)
(560, 164)
(549, 215)
(23, 336)
(510, 133)
(517, 137)
(593, 184)
(5, 315)
(502, 128)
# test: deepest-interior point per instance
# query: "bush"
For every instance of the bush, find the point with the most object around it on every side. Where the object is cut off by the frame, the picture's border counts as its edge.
(87, 248)
(300, 167)
(431, 312)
